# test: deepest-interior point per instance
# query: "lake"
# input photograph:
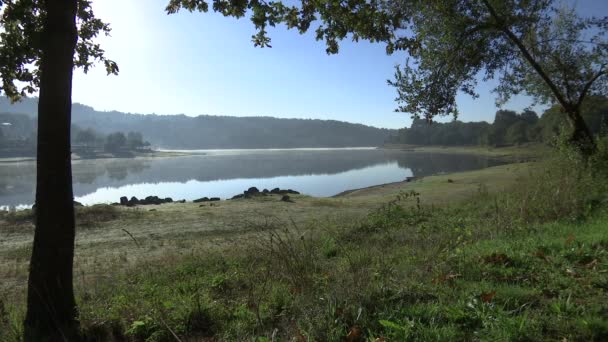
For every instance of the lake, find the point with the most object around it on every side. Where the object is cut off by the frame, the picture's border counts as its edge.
(225, 173)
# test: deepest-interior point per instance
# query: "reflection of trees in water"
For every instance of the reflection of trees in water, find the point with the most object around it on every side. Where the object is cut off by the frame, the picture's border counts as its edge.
(120, 170)
(425, 164)
(89, 175)
(116, 169)
(17, 183)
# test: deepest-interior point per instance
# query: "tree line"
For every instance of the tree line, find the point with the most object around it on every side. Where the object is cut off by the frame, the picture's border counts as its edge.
(215, 131)
(18, 138)
(90, 141)
(508, 129)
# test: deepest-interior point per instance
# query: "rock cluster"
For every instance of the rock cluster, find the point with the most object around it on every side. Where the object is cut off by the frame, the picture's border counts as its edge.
(253, 192)
(145, 201)
(206, 199)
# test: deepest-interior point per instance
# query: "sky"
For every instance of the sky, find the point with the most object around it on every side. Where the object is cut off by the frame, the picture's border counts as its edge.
(204, 63)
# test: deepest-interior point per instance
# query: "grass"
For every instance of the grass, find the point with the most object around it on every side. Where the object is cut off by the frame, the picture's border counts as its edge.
(516, 252)
(526, 152)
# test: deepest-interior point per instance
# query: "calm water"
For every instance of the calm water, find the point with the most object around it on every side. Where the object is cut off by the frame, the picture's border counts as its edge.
(225, 173)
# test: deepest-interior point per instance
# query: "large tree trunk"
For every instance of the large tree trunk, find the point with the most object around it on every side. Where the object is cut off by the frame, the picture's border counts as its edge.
(51, 308)
(581, 137)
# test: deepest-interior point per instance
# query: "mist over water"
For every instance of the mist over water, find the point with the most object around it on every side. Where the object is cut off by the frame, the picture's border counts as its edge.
(225, 173)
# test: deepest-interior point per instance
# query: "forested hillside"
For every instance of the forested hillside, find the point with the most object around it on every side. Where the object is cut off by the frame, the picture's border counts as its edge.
(509, 128)
(208, 131)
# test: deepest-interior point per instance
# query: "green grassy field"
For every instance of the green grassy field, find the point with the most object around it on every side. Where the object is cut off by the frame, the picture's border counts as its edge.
(514, 252)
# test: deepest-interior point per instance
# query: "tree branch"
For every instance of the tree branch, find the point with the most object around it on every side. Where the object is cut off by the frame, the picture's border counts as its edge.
(524, 51)
(588, 86)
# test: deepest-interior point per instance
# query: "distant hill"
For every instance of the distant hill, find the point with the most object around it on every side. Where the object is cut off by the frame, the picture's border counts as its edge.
(210, 132)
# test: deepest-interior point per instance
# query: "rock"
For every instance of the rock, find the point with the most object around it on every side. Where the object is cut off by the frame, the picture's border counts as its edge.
(151, 200)
(133, 202)
(203, 199)
(253, 191)
(286, 198)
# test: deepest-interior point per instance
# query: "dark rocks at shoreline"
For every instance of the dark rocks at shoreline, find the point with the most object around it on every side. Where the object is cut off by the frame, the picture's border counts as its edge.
(277, 191)
(254, 192)
(150, 200)
(206, 199)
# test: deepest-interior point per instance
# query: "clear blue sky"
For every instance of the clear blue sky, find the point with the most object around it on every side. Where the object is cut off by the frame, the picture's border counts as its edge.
(206, 64)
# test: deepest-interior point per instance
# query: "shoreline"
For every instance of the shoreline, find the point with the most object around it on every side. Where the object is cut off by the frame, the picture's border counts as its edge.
(507, 155)
(165, 153)
(529, 152)
(76, 158)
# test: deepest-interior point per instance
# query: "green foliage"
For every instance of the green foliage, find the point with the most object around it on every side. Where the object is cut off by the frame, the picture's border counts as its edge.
(135, 141)
(86, 136)
(115, 142)
(360, 18)
(119, 142)
(22, 37)
(508, 128)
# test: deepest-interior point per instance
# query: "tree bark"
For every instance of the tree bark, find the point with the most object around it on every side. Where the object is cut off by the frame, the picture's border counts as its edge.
(51, 307)
(581, 138)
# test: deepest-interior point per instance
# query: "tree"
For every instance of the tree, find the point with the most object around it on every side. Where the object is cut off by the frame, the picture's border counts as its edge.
(531, 46)
(549, 53)
(594, 110)
(87, 137)
(517, 133)
(115, 142)
(529, 116)
(41, 43)
(135, 140)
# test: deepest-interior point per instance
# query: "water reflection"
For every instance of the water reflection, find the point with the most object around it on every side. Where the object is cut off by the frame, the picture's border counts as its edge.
(222, 174)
